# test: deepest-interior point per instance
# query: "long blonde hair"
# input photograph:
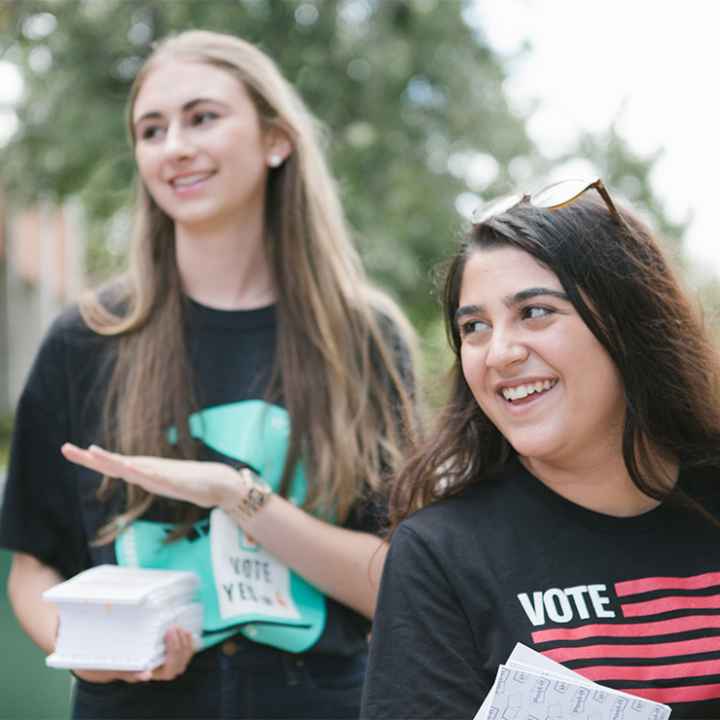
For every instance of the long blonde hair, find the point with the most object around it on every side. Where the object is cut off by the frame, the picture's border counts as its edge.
(337, 369)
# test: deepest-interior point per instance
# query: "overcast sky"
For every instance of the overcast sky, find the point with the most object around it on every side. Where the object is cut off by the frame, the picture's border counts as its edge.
(657, 60)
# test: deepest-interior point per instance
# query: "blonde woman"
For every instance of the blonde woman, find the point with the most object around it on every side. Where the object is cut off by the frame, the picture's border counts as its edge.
(252, 390)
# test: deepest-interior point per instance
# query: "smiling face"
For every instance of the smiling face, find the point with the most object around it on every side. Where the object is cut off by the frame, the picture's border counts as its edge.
(533, 366)
(199, 145)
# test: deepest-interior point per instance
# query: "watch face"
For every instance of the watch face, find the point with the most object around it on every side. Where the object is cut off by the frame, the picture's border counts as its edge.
(256, 496)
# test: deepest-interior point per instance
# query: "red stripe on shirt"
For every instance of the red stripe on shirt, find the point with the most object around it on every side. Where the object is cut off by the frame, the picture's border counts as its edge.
(668, 604)
(695, 582)
(652, 650)
(629, 630)
(603, 673)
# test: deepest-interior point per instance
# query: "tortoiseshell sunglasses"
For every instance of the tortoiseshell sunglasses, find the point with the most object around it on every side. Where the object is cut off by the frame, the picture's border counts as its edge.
(553, 197)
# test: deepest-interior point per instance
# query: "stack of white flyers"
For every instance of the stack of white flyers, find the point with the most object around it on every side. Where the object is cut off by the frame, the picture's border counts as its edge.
(115, 618)
(532, 686)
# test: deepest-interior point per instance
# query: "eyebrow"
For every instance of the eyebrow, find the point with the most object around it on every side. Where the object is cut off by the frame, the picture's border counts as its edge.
(514, 299)
(153, 114)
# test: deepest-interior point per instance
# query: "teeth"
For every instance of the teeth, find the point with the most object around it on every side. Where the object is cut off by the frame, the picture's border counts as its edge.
(189, 180)
(522, 391)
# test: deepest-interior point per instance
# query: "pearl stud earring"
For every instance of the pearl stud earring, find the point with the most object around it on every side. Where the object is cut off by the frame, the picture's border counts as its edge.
(275, 160)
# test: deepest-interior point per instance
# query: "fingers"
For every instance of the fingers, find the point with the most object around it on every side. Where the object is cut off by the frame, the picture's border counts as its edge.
(179, 649)
(110, 464)
(100, 677)
(196, 482)
(74, 454)
(96, 459)
(96, 676)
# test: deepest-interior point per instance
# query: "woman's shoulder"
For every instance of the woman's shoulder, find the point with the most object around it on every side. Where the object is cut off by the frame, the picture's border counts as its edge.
(702, 485)
(72, 321)
(67, 353)
(70, 330)
(475, 507)
(67, 328)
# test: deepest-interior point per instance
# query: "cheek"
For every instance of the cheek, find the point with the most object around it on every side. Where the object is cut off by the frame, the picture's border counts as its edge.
(145, 166)
(473, 370)
(590, 359)
(465, 364)
(612, 387)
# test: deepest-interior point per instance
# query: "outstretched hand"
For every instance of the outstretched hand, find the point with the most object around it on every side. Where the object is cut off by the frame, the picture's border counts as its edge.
(179, 649)
(206, 484)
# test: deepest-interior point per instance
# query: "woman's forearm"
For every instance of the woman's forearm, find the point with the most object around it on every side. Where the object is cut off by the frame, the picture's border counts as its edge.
(27, 581)
(345, 564)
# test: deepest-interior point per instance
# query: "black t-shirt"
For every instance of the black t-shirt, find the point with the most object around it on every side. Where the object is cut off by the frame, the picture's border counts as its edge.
(632, 603)
(50, 509)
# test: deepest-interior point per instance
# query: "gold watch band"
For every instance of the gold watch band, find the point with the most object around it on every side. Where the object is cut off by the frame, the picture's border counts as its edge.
(255, 495)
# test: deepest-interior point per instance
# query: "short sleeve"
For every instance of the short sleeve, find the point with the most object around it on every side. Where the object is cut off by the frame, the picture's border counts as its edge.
(40, 508)
(423, 660)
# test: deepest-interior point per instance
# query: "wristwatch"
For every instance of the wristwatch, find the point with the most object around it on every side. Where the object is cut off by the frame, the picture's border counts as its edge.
(255, 495)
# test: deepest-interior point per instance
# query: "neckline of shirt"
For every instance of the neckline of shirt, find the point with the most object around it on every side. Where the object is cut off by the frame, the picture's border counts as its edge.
(560, 505)
(257, 318)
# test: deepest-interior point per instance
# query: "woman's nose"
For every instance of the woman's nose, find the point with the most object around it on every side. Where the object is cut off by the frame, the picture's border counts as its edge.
(177, 142)
(505, 349)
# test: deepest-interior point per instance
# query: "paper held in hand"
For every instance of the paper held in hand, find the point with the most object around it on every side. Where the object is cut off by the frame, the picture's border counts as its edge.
(530, 685)
(115, 618)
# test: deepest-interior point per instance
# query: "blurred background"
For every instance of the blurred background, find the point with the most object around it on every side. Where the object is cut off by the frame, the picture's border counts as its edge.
(429, 107)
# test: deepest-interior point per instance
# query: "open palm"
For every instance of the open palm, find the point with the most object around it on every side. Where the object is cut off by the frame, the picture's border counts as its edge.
(206, 484)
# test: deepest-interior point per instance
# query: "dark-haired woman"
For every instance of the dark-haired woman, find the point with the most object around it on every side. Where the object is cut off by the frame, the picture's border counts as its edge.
(569, 497)
(254, 388)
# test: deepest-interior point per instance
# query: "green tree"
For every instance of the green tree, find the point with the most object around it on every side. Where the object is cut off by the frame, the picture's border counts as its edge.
(407, 90)
(628, 172)
(412, 96)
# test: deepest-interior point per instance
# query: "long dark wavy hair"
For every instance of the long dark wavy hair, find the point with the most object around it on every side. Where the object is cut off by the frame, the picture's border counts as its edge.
(619, 281)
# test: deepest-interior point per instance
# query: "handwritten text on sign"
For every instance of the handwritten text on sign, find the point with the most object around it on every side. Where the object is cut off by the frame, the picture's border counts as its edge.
(248, 580)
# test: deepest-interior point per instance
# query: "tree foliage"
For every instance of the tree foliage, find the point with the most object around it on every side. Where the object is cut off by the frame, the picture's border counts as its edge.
(408, 91)
(418, 123)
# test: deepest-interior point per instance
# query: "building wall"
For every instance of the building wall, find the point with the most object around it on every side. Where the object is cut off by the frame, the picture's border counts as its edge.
(4, 348)
(41, 261)
(44, 255)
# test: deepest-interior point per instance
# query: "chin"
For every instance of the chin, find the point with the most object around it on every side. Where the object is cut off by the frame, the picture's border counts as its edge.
(534, 448)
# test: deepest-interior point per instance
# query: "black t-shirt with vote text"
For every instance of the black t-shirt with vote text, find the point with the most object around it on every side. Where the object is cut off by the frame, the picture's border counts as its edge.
(631, 603)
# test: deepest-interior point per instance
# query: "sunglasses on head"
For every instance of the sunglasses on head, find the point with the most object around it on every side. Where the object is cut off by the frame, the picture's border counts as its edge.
(553, 197)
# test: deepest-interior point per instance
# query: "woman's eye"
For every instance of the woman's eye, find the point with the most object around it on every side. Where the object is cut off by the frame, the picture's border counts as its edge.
(200, 118)
(151, 132)
(533, 312)
(473, 326)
